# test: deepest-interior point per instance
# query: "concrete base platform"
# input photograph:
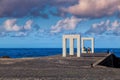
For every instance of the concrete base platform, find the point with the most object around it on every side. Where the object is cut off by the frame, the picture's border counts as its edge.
(57, 68)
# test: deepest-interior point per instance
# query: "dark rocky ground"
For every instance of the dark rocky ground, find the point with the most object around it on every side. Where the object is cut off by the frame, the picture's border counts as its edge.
(57, 68)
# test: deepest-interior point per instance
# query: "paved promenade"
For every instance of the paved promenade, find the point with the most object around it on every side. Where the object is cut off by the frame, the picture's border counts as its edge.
(57, 68)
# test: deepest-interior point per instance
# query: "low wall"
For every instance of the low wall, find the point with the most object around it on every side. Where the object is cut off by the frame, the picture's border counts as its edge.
(110, 61)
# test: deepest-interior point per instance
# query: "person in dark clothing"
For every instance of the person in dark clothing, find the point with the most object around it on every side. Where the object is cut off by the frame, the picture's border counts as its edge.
(85, 49)
(89, 49)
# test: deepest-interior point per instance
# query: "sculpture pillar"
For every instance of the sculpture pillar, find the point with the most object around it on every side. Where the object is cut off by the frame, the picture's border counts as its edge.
(71, 46)
(82, 46)
(92, 45)
(64, 47)
(71, 37)
(78, 47)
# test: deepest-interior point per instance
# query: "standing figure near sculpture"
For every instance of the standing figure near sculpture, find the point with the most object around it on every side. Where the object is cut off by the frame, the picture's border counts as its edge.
(89, 49)
(85, 49)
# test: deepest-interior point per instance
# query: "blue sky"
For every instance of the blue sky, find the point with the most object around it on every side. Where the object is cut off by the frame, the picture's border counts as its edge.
(41, 23)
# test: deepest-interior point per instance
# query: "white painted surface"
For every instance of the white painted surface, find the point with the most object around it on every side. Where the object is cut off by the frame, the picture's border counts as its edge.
(71, 46)
(71, 37)
(80, 41)
(64, 47)
(92, 43)
(78, 46)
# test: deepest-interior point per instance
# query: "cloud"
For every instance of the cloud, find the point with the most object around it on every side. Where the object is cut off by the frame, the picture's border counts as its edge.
(20, 34)
(28, 24)
(10, 26)
(44, 8)
(94, 8)
(22, 8)
(105, 27)
(65, 24)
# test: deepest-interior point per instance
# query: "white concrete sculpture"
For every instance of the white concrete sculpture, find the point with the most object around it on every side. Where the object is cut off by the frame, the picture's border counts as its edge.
(71, 37)
(92, 44)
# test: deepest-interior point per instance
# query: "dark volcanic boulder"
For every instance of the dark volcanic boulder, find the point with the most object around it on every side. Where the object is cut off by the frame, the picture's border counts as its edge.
(5, 57)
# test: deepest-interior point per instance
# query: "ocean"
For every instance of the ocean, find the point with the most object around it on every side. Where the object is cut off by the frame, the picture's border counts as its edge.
(41, 52)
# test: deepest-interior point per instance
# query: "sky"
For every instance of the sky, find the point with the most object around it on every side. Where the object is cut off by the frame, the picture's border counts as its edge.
(41, 23)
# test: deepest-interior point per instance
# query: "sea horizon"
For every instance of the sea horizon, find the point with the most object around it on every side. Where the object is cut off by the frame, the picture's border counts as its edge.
(41, 52)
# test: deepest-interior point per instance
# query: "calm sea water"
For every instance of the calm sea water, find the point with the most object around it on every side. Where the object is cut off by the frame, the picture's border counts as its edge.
(40, 52)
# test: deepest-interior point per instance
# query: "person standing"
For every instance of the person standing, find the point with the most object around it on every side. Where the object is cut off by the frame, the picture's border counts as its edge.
(89, 49)
(85, 49)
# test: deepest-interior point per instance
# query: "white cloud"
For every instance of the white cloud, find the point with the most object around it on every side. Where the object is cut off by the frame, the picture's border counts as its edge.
(94, 8)
(16, 28)
(10, 25)
(19, 34)
(28, 24)
(115, 24)
(105, 27)
(65, 24)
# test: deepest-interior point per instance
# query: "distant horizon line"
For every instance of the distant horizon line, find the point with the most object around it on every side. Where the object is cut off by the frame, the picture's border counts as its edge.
(38, 48)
